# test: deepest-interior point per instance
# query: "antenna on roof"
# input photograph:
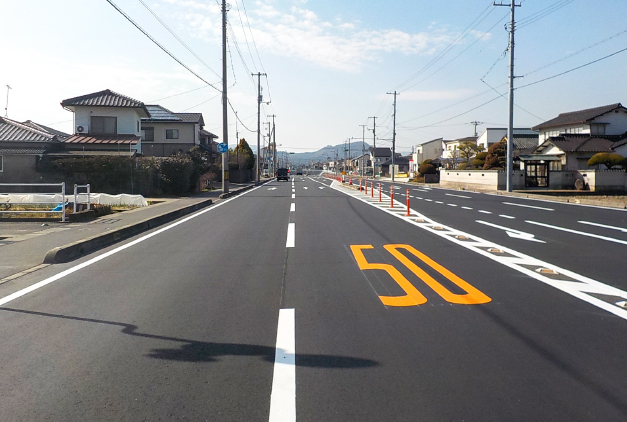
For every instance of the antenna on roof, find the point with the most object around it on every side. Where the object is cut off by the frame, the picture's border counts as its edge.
(6, 108)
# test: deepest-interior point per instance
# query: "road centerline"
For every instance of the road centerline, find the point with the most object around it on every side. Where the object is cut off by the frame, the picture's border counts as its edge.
(283, 396)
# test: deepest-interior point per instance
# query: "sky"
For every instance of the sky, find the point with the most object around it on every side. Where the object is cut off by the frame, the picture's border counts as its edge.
(329, 64)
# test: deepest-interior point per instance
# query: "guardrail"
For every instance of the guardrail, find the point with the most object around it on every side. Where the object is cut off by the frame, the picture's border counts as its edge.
(61, 207)
(77, 196)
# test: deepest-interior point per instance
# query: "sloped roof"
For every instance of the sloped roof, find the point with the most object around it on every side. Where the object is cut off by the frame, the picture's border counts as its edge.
(209, 134)
(22, 151)
(580, 143)
(13, 131)
(381, 152)
(191, 117)
(159, 114)
(578, 117)
(466, 139)
(397, 161)
(50, 130)
(103, 139)
(105, 98)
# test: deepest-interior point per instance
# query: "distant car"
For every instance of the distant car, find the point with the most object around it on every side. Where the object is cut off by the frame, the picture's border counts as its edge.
(282, 174)
(299, 172)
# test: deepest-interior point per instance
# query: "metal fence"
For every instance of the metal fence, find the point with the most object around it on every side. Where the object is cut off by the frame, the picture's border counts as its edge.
(56, 206)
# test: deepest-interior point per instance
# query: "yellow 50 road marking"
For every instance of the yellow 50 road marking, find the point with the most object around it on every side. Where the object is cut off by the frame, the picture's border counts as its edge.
(412, 296)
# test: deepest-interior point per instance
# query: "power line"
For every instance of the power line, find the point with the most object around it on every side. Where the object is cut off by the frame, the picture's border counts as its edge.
(534, 17)
(159, 45)
(178, 38)
(573, 69)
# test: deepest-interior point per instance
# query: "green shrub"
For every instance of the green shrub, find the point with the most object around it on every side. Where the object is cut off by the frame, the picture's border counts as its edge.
(609, 160)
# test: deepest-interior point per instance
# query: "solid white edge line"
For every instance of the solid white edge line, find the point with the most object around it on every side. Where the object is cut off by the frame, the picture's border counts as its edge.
(605, 226)
(26, 290)
(580, 288)
(283, 396)
(596, 236)
(291, 235)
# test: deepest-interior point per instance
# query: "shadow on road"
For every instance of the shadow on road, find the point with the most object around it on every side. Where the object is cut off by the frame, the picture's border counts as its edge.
(202, 351)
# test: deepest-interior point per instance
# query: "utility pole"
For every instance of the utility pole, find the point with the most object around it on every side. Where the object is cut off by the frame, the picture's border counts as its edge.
(394, 133)
(510, 122)
(259, 100)
(475, 123)
(273, 144)
(363, 147)
(374, 145)
(225, 110)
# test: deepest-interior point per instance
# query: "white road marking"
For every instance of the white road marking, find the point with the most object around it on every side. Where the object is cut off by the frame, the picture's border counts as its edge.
(291, 235)
(305, 187)
(320, 187)
(417, 197)
(25, 291)
(274, 188)
(512, 232)
(439, 202)
(458, 196)
(596, 236)
(529, 206)
(604, 226)
(293, 196)
(451, 205)
(576, 285)
(283, 396)
(429, 200)
(484, 212)
(293, 207)
(466, 208)
(507, 216)
(421, 190)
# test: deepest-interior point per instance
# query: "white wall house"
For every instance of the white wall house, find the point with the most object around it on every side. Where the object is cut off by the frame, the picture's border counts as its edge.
(428, 150)
(493, 135)
(106, 121)
(599, 121)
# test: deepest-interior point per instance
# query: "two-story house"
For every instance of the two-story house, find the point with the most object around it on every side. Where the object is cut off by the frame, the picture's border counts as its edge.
(429, 150)
(493, 135)
(569, 140)
(106, 121)
(379, 156)
(165, 133)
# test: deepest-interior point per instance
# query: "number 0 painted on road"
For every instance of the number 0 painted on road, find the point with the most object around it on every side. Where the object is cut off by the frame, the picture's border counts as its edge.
(412, 296)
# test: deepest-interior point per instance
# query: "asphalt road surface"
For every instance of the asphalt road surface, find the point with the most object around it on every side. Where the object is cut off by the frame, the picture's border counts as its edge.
(305, 301)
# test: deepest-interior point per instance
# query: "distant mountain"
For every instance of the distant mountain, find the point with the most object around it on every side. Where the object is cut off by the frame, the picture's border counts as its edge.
(327, 153)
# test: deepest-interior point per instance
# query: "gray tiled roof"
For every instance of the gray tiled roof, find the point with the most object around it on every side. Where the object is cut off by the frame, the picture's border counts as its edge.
(50, 130)
(191, 117)
(381, 152)
(13, 131)
(577, 117)
(22, 151)
(207, 133)
(581, 143)
(525, 141)
(106, 98)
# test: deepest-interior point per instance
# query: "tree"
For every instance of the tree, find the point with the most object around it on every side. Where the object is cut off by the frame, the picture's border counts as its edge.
(496, 156)
(479, 160)
(609, 160)
(467, 149)
(242, 156)
(427, 167)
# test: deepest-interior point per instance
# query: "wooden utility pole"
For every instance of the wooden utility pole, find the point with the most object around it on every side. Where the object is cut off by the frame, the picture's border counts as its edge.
(394, 133)
(259, 100)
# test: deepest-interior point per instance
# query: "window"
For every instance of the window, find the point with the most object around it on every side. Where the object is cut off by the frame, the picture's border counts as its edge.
(597, 129)
(148, 134)
(171, 134)
(101, 125)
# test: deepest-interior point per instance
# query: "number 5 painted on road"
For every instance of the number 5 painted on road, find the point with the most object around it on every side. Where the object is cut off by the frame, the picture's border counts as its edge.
(413, 297)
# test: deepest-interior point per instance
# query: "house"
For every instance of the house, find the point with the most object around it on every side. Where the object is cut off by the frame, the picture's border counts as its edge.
(107, 122)
(362, 163)
(569, 140)
(429, 150)
(493, 135)
(379, 156)
(401, 165)
(165, 133)
(21, 147)
(599, 121)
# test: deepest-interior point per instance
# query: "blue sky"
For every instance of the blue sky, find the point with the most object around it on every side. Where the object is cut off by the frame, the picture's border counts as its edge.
(329, 64)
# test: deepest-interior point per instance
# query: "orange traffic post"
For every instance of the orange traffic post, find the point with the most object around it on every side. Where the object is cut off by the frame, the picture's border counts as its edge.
(391, 196)
(379, 192)
(366, 186)
(359, 185)
(372, 189)
(408, 214)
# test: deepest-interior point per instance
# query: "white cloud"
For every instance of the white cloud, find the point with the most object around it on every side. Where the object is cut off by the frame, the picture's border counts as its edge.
(299, 32)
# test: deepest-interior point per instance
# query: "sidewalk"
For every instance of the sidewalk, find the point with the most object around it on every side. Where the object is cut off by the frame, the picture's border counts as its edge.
(27, 247)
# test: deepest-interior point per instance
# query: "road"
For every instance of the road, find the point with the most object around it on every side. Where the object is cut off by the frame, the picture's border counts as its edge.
(307, 301)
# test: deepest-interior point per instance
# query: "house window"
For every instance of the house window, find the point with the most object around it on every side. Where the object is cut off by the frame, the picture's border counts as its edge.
(171, 134)
(101, 125)
(555, 165)
(597, 129)
(148, 134)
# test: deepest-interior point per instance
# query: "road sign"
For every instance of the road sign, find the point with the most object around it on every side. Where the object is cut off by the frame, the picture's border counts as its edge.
(222, 148)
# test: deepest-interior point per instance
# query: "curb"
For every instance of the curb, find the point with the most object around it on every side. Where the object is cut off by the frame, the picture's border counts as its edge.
(73, 250)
